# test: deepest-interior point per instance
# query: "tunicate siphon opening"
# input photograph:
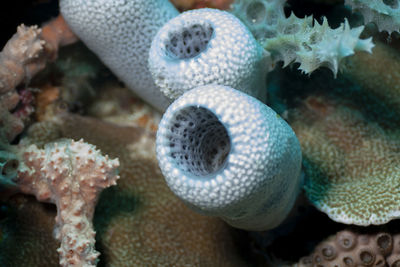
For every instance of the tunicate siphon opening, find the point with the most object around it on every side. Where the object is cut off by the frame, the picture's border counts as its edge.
(199, 142)
(190, 41)
(256, 12)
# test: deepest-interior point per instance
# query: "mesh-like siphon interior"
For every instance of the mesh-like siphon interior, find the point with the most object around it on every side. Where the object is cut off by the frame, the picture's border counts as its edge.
(199, 142)
(189, 41)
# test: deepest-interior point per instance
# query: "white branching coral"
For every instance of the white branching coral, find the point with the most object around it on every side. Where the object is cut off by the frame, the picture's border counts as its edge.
(299, 40)
(207, 46)
(385, 14)
(120, 33)
(226, 154)
(71, 175)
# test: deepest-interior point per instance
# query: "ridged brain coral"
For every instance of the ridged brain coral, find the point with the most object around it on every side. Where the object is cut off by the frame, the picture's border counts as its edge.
(351, 162)
(226, 154)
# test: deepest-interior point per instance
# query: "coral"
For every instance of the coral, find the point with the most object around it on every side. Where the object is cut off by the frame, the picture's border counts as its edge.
(26, 233)
(299, 40)
(350, 160)
(385, 14)
(71, 175)
(224, 153)
(207, 46)
(378, 74)
(350, 248)
(8, 168)
(24, 55)
(19, 59)
(139, 222)
(120, 33)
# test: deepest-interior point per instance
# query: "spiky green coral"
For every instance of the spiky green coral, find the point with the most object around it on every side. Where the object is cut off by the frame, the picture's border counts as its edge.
(385, 14)
(299, 40)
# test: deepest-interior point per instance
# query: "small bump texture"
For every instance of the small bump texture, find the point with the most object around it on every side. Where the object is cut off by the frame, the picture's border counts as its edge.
(226, 154)
(120, 33)
(207, 46)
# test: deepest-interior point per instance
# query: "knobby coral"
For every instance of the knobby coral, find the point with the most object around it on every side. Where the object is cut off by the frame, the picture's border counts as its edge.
(350, 248)
(299, 40)
(224, 153)
(71, 175)
(207, 46)
(120, 33)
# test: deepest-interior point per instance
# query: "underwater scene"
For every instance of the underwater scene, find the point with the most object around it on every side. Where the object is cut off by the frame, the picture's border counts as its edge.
(210, 133)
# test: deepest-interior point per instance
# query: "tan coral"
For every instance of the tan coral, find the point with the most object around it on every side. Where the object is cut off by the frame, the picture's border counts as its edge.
(350, 248)
(71, 175)
(378, 73)
(140, 222)
(351, 162)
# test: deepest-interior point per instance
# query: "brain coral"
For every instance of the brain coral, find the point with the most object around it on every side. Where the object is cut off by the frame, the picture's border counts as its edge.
(350, 159)
(120, 33)
(227, 154)
(207, 46)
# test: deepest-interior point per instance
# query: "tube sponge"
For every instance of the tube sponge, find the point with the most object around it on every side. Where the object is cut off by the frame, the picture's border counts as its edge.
(226, 154)
(206, 46)
(120, 33)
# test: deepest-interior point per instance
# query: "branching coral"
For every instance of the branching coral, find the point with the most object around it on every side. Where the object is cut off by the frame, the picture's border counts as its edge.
(228, 155)
(350, 248)
(299, 40)
(71, 175)
(207, 46)
(385, 14)
(120, 33)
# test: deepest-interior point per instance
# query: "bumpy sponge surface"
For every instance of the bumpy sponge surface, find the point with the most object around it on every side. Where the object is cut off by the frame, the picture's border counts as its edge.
(207, 46)
(120, 33)
(385, 14)
(299, 40)
(226, 154)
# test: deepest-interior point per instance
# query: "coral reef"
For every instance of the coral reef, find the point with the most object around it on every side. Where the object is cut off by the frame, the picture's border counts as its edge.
(385, 14)
(121, 36)
(350, 161)
(234, 159)
(304, 41)
(207, 46)
(350, 248)
(71, 175)
(139, 222)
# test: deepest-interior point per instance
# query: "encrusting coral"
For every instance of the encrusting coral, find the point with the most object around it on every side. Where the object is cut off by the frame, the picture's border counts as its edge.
(71, 175)
(385, 14)
(350, 160)
(120, 33)
(350, 248)
(299, 40)
(226, 154)
(207, 46)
